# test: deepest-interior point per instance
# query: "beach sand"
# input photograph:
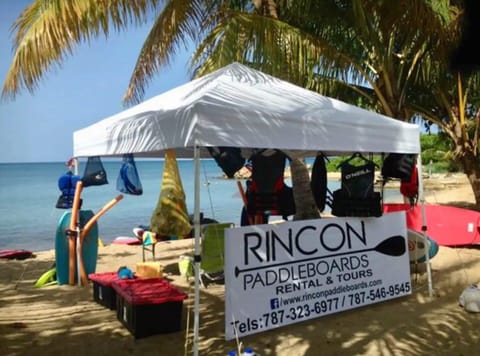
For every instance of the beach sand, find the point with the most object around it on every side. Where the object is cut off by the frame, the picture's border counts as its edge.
(65, 320)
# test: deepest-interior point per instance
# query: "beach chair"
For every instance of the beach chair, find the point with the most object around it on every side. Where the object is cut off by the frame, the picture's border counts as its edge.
(148, 241)
(212, 253)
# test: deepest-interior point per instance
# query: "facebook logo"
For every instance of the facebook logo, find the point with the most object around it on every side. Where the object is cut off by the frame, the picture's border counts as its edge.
(274, 304)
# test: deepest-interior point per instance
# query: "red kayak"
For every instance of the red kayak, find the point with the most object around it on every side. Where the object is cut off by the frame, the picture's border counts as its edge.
(15, 254)
(446, 225)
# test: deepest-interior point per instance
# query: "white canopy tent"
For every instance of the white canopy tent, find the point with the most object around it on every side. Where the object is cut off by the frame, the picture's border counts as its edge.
(240, 107)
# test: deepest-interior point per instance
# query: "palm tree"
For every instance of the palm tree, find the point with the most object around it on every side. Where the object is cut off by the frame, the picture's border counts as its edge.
(366, 52)
(47, 31)
(391, 57)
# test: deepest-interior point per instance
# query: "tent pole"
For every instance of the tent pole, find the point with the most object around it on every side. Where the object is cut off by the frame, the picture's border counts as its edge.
(196, 223)
(421, 198)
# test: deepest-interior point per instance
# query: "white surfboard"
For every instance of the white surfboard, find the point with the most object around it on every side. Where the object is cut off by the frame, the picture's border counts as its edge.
(417, 248)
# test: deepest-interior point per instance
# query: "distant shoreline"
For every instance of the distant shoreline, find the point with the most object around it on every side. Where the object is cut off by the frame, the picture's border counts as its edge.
(434, 181)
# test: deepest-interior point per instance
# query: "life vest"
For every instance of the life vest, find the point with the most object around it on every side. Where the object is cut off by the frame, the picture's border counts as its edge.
(266, 190)
(67, 184)
(229, 159)
(398, 165)
(409, 188)
(357, 197)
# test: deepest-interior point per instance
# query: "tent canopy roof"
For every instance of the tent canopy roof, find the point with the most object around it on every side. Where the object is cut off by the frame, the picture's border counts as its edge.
(241, 107)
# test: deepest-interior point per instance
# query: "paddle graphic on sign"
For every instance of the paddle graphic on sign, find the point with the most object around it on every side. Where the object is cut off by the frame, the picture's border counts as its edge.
(392, 246)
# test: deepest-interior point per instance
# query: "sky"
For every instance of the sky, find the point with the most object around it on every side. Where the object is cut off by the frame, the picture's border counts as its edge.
(88, 87)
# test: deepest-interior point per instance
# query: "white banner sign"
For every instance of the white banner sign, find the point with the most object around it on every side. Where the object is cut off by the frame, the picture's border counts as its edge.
(279, 274)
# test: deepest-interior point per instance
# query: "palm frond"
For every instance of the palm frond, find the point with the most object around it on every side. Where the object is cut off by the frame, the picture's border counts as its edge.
(48, 30)
(179, 22)
(267, 44)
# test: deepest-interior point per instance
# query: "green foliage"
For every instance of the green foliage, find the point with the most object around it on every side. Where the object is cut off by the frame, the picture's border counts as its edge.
(435, 155)
(434, 148)
(336, 161)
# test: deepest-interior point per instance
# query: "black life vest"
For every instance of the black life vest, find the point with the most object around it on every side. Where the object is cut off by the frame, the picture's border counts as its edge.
(229, 159)
(266, 190)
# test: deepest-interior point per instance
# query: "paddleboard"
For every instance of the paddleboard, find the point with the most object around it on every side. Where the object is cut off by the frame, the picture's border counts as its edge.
(417, 249)
(126, 240)
(89, 251)
(15, 254)
(446, 225)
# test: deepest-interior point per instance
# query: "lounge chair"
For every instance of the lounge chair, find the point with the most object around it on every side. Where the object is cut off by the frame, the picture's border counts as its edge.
(212, 253)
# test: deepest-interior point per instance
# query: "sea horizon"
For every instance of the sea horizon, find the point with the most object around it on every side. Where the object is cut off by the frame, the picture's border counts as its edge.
(29, 192)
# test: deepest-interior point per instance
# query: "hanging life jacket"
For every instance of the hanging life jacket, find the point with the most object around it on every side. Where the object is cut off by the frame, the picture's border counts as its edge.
(229, 159)
(67, 184)
(357, 196)
(266, 190)
(409, 188)
(398, 165)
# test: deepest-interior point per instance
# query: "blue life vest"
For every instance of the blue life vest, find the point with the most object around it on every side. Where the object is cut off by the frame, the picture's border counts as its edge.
(67, 183)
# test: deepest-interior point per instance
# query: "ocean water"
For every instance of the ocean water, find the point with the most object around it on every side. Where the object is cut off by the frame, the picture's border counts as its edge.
(29, 192)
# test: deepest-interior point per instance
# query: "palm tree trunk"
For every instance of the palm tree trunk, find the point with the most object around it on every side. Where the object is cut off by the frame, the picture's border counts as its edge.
(472, 170)
(266, 7)
(302, 193)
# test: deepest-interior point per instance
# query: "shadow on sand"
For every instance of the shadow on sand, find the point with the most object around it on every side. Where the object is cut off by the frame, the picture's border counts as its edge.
(65, 320)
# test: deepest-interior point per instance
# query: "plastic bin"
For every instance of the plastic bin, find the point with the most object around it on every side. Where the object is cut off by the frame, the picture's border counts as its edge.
(103, 292)
(149, 306)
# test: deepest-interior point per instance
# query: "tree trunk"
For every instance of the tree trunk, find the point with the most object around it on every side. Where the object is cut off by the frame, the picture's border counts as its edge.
(465, 152)
(472, 170)
(302, 192)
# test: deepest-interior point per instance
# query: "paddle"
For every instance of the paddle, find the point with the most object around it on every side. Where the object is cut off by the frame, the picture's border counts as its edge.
(392, 246)
(97, 216)
(88, 226)
(72, 232)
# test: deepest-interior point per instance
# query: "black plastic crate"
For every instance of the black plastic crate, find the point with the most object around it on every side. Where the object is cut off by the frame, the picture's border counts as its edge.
(149, 306)
(103, 292)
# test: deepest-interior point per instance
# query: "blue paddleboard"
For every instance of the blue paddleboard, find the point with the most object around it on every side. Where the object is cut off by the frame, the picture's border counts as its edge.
(89, 250)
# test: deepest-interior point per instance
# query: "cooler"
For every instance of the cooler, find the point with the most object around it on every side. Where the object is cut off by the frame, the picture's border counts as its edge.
(149, 306)
(103, 292)
(149, 270)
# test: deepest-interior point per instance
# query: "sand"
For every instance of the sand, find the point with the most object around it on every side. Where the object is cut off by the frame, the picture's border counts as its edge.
(65, 320)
